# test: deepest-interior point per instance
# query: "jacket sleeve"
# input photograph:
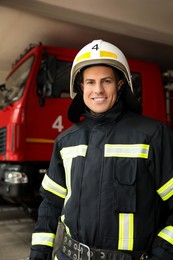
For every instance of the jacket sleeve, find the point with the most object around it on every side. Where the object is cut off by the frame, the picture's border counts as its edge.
(163, 168)
(53, 191)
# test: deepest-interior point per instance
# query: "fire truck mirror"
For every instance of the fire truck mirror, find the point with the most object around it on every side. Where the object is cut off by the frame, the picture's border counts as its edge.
(51, 69)
(46, 78)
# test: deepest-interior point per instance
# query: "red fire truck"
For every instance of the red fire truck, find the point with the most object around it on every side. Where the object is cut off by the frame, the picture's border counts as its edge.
(33, 111)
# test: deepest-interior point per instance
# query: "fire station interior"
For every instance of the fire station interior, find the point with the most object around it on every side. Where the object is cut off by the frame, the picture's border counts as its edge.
(141, 29)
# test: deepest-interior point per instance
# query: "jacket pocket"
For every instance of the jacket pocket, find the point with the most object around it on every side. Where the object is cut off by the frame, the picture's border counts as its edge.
(125, 185)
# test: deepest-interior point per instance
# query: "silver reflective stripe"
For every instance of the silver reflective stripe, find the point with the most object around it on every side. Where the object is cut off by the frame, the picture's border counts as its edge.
(73, 151)
(53, 187)
(68, 153)
(167, 234)
(66, 227)
(166, 191)
(42, 238)
(67, 166)
(126, 231)
(127, 150)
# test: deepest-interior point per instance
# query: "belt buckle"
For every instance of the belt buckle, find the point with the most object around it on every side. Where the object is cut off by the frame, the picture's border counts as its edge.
(80, 251)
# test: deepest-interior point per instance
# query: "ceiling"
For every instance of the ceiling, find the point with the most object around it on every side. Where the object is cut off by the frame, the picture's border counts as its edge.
(141, 29)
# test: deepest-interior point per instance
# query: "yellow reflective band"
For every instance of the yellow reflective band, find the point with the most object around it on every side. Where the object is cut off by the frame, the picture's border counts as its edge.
(167, 234)
(53, 187)
(108, 54)
(127, 150)
(42, 238)
(84, 56)
(67, 166)
(39, 140)
(73, 151)
(66, 228)
(166, 191)
(67, 154)
(126, 231)
(55, 258)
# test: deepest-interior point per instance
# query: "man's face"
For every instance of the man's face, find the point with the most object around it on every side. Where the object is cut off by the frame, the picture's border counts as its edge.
(99, 88)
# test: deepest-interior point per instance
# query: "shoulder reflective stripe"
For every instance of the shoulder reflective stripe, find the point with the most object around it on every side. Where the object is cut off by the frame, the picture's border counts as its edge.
(73, 151)
(126, 231)
(166, 191)
(167, 234)
(127, 150)
(55, 258)
(108, 54)
(46, 239)
(53, 187)
(84, 56)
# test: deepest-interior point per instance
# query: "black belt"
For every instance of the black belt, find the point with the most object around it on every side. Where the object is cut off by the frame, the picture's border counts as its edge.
(78, 251)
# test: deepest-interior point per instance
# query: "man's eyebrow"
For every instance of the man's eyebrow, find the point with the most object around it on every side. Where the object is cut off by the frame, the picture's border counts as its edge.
(107, 77)
(89, 79)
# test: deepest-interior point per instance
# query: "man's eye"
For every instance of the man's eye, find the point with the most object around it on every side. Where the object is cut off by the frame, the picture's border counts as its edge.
(108, 81)
(90, 82)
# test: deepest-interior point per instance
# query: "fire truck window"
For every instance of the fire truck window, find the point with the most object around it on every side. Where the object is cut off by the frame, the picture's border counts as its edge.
(61, 87)
(16, 82)
(137, 85)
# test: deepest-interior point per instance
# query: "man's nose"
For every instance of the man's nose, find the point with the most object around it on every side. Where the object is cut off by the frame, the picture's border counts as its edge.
(98, 88)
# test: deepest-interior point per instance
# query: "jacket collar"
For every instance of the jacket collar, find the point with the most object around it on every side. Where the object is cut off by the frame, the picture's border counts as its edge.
(111, 115)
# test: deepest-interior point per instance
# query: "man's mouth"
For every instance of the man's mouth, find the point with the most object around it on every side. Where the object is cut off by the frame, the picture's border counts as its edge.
(99, 99)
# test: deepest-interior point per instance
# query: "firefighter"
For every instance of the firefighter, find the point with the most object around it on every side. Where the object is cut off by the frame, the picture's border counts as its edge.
(108, 193)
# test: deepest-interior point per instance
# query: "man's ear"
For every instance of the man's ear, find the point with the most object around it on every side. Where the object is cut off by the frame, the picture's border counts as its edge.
(119, 84)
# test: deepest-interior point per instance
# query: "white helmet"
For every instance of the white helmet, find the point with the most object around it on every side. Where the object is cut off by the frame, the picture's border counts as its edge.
(99, 52)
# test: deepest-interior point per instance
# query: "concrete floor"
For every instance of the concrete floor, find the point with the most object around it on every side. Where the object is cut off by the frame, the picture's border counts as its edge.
(15, 233)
